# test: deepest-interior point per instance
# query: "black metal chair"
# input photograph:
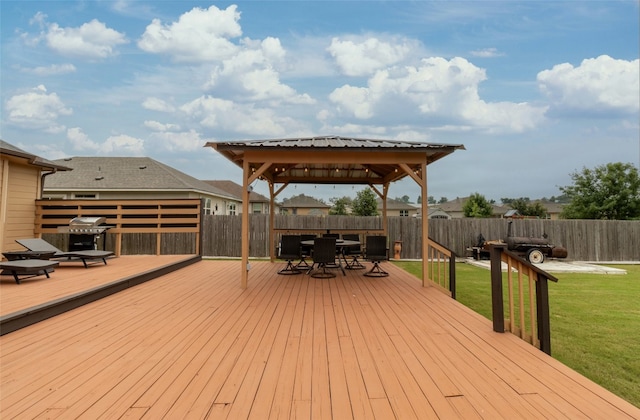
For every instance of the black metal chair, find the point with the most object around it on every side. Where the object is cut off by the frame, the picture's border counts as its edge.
(324, 255)
(338, 250)
(376, 251)
(305, 251)
(290, 250)
(353, 251)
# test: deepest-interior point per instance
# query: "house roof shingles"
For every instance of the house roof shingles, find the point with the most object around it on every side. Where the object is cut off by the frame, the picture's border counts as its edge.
(236, 190)
(11, 150)
(303, 201)
(125, 173)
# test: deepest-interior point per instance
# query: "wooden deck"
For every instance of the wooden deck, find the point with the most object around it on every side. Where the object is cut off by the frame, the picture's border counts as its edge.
(192, 344)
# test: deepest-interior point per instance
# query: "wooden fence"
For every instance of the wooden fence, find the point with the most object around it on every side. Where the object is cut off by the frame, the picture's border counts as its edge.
(585, 240)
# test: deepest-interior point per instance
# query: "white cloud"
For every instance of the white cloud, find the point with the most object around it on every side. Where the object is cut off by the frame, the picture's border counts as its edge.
(361, 58)
(37, 109)
(80, 141)
(487, 53)
(198, 35)
(224, 114)
(157, 126)
(251, 74)
(598, 85)
(53, 69)
(121, 145)
(437, 89)
(157, 104)
(186, 141)
(90, 40)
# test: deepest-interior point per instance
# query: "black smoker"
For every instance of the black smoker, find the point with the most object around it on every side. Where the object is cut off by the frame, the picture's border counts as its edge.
(84, 232)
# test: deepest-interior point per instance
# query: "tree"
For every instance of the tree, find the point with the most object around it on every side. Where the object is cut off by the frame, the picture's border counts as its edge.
(477, 206)
(526, 208)
(443, 200)
(610, 191)
(339, 206)
(365, 203)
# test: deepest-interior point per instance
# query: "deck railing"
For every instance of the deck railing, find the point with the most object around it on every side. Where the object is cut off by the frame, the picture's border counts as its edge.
(161, 220)
(527, 295)
(441, 267)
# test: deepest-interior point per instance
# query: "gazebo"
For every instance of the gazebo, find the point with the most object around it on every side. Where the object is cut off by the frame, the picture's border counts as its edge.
(330, 160)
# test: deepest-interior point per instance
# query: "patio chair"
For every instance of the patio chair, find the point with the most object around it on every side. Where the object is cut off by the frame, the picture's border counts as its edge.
(323, 255)
(40, 245)
(338, 249)
(376, 251)
(305, 251)
(290, 250)
(352, 251)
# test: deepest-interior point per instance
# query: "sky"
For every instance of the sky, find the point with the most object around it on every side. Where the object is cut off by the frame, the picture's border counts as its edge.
(534, 90)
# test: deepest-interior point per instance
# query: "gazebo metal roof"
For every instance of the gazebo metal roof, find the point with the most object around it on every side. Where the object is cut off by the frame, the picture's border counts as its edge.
(330, 160)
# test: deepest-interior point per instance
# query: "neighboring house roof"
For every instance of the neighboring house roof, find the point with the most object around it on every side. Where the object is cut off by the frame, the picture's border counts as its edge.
(393, 204)
(11, 150)
(125, 173)
(303, 201)
(551, 206)
(452, 205)
(236, 190)
(457, 206)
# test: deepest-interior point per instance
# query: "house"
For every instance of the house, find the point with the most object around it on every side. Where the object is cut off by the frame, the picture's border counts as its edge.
(110, 178)
(553, 209)
(21, 178)
(455, 208)
(304, 205)
(258, 203)
(398, 208)
(435, 213)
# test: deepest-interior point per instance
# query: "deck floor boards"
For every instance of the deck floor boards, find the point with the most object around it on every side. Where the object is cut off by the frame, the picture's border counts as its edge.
(193, 344)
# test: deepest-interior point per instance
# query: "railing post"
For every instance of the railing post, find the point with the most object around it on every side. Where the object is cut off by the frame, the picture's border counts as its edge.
(542, 308)
(452, 274)
(496, 288)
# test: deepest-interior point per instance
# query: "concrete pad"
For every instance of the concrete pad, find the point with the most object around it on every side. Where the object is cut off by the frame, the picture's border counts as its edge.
(557, 266)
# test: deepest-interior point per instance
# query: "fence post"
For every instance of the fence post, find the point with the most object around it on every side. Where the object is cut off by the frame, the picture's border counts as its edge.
(542, 308)
(497, 304)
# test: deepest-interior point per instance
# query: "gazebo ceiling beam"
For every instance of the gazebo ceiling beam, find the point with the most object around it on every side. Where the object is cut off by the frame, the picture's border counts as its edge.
(328, 180)
(335, 157)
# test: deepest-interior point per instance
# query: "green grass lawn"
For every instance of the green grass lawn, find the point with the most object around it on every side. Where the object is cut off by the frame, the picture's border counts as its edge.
(595, 321)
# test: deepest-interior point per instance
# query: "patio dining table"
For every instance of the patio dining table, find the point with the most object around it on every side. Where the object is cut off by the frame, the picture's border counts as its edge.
(341, 245)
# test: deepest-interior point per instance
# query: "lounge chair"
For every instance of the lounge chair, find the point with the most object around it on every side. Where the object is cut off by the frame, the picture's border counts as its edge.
(40, 245)
(30, 268)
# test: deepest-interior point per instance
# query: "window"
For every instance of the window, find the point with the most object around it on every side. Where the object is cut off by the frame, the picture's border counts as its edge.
(207, 206)
(256, 208)
(404, 213)
(232, 209)
(85, 196)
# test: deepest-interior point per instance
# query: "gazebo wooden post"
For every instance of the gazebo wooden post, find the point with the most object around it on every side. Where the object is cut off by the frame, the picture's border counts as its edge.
(385, 222)
(272, 222)
(425, 225)
(421, 179)
(244, 275)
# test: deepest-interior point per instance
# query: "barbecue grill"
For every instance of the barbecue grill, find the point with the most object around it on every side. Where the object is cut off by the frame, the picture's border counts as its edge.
(84, 232)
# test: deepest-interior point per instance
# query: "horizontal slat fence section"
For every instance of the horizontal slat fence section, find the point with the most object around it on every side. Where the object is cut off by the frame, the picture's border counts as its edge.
(138, 226)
